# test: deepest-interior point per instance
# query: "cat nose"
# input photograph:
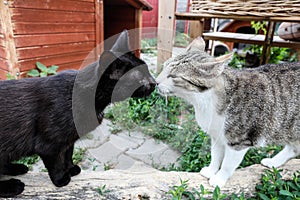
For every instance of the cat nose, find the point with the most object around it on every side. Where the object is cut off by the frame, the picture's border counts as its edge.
(151, 85)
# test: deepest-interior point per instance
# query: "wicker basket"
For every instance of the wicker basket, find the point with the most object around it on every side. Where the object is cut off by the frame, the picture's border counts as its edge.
(265, 8)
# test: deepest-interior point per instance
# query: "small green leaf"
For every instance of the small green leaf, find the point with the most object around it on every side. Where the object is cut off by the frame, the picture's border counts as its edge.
(285, 193)
(189, 194)
(41, 66)
(33, 73)
(263, 196)
(43, 74)
(10, 77)
(52, 69)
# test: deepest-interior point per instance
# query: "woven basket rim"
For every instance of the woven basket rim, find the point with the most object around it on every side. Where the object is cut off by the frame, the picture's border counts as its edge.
(266, 8)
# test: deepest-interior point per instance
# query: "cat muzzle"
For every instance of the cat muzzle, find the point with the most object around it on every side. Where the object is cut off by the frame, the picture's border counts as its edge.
(145, 90)
(162, 90)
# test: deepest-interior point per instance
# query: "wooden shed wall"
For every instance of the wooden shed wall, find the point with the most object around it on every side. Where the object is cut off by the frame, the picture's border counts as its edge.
(53, 32)
(61, 32)
(117, 18)
(3, 60)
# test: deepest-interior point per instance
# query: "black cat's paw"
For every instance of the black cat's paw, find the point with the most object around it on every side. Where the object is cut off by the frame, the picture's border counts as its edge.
(60, 181)
(75, 170)
(15, 169)
(11, 188)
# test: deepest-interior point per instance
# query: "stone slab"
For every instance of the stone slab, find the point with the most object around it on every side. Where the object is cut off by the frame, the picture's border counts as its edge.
(137, 185)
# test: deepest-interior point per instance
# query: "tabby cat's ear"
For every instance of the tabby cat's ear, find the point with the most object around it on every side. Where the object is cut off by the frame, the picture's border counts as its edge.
(219, 64)
(225, 58)
(122, 43)
(197, 44)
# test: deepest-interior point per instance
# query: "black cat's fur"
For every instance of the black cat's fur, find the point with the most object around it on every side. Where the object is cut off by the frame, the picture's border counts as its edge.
(37, 114)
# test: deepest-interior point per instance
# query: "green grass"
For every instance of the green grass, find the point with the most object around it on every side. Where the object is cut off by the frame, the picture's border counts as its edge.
(271, 187)
(78, 155)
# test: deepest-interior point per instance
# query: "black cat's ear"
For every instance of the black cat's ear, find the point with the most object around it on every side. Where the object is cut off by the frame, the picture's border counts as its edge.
(106, 59)
(107, 62)
(122, 43)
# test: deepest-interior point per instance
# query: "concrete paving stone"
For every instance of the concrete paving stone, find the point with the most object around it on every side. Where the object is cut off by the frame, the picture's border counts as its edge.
(154, 154)
(150, 146)
(107, 153)
(122, 143)
(97, 137)
(124, 162)
(135, 137)
(168, 157)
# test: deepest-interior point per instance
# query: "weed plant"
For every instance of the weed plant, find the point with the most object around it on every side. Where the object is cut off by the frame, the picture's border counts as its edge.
(272, 187)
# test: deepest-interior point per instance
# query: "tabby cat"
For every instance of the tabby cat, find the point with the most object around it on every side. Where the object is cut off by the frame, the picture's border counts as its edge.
(238, 109)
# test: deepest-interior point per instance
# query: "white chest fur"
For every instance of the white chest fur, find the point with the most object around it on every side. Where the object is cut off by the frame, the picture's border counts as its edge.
(206, 114)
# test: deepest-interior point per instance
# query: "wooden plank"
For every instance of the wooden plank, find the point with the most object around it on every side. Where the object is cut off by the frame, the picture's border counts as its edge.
(3, 74)
(48, 39)
(26, 65)
(285, 19)
(268, 39)
(249, 39)
(92, 1)
(2, 41)
(199, 16)
(34, 15)
(40, 28)
(138, 31)
(74, 65)
(279, 42)
(2, 52)
(66, 66)
(235, 37)
(48, 50)
(196, 28)
(76, 6)
(99, 26)
(8, 38)
(4, 64)
(165, 32)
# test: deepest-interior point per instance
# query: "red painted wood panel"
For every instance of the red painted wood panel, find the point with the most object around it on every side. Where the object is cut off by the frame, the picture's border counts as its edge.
(48, 50)
(78, 6)
(3, 74)
(34, 15)
(2, 52)
(26, 65)
(3, 64)
(38, 28)
(2, 40)
(47, 39)
(150, 20)
(74, 65)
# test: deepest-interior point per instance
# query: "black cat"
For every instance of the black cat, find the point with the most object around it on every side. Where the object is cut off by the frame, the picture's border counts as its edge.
(45, 116)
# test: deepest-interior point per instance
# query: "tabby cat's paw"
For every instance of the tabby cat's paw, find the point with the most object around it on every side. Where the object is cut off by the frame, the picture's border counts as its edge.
(75, 170)
(15, 169)
(269, 162)
(11, 188)
(207, 172)
(217, 181)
